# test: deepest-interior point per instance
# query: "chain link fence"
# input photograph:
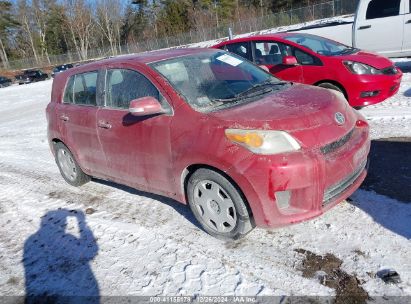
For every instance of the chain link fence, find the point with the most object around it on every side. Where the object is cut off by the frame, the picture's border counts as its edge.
(286, 18)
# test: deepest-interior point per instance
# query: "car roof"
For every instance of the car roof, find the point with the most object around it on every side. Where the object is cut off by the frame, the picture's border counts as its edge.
(146, 58)
(279, 36)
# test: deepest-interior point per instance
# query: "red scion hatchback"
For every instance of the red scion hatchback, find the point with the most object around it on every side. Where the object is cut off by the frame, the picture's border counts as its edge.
(210, 129)
(363, 77)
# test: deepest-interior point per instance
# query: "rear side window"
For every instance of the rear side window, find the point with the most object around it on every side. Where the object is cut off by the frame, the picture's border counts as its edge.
(383, 8)
(81, 89)
(122, 86)
(242, 49)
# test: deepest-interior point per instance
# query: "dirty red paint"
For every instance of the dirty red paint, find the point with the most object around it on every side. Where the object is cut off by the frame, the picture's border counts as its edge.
(154, 153)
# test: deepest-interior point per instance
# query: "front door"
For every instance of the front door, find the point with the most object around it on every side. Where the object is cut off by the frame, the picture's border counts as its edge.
(137, 149)
(270, 54)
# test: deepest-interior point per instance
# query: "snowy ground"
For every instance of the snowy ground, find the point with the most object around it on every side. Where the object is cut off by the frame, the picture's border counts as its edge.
(150, 245)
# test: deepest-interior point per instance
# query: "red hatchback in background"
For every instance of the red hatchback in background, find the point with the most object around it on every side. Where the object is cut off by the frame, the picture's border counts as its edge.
(364, 78)
(210, 129)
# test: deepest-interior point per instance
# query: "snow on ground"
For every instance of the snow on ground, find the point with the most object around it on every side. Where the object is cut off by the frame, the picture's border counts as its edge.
(150, 245)
(392, 118)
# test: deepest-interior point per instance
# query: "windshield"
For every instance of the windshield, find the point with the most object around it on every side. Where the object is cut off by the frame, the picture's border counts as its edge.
(321, 45)
(215, 79)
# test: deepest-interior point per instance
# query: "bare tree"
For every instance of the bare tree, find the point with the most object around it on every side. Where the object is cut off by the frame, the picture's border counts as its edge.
(3, 55)
(41, 9)
(81, 24)
(109, 21)
(25, 18)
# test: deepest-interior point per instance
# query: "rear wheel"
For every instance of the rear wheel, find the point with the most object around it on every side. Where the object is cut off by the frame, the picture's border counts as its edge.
(217, 205)
(68, 166)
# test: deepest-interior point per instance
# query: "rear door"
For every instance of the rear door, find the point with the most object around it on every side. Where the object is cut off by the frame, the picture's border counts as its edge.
(379, 26)
(137, 149)
(77, 121)
(270, 54)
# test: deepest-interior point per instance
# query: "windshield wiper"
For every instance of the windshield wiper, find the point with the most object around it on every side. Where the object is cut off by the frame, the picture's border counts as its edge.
(348, 51)
(252, 88)
(259, 85)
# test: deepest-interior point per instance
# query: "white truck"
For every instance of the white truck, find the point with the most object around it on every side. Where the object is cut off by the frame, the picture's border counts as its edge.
(382, 26)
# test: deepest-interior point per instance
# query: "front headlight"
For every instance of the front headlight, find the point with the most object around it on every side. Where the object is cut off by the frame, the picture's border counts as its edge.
(263, 142)
(361, 68)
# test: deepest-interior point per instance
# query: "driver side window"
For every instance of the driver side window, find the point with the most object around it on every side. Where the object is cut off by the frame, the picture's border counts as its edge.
(122, 86)
(304, 58)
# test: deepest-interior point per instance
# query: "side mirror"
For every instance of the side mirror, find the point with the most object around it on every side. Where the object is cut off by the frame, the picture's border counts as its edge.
(145, 106)
(290, 60)
(265, 68)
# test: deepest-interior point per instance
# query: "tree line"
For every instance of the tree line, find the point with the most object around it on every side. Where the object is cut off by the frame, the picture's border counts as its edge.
(41, 28)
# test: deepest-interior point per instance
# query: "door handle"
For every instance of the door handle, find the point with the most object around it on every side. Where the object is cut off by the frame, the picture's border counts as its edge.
(364, 27)
(408, 22)
(64, 118)
(104, 125)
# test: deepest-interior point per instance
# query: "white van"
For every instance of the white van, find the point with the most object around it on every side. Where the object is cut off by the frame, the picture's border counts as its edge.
(383, 26)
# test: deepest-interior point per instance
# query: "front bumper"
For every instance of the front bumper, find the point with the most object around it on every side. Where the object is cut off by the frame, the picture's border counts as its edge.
(385, 85)
(290, 188)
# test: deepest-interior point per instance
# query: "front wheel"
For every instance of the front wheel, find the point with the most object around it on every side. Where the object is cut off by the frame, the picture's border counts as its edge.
(218, 206)
(68, 166)
(330, 86)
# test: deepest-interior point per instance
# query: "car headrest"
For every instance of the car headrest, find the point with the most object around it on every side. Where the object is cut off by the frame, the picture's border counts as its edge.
(274, 49)
(116, 77)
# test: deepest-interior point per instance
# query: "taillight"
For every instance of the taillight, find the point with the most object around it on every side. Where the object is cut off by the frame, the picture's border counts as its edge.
(361, 123)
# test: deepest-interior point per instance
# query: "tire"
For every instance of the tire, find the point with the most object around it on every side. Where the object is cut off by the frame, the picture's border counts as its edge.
(327, 85)
(68, 166)
(218, 205)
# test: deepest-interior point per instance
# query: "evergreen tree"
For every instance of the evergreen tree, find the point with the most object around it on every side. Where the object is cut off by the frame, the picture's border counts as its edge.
(174, 17)
(6, 23)
(56, 33)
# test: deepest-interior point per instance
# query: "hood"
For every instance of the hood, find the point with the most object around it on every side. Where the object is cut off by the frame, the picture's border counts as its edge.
(375, 60)
(306, 112)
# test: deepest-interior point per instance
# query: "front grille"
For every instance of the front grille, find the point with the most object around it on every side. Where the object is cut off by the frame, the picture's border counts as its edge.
(342, 185)
(390, 71)
(337, 144)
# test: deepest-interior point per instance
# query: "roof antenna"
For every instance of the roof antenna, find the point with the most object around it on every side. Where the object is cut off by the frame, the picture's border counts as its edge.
(230, 34)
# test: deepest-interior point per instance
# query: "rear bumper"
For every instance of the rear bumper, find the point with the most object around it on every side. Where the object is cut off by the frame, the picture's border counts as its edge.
(386, 85)
(290, 188)
(25, 81)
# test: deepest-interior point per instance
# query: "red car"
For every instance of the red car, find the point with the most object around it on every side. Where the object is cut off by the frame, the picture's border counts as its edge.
(210, 129)
(364, 78)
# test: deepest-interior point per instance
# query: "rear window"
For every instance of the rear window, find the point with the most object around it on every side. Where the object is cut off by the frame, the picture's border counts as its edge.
(81, 89)
(383, 8)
